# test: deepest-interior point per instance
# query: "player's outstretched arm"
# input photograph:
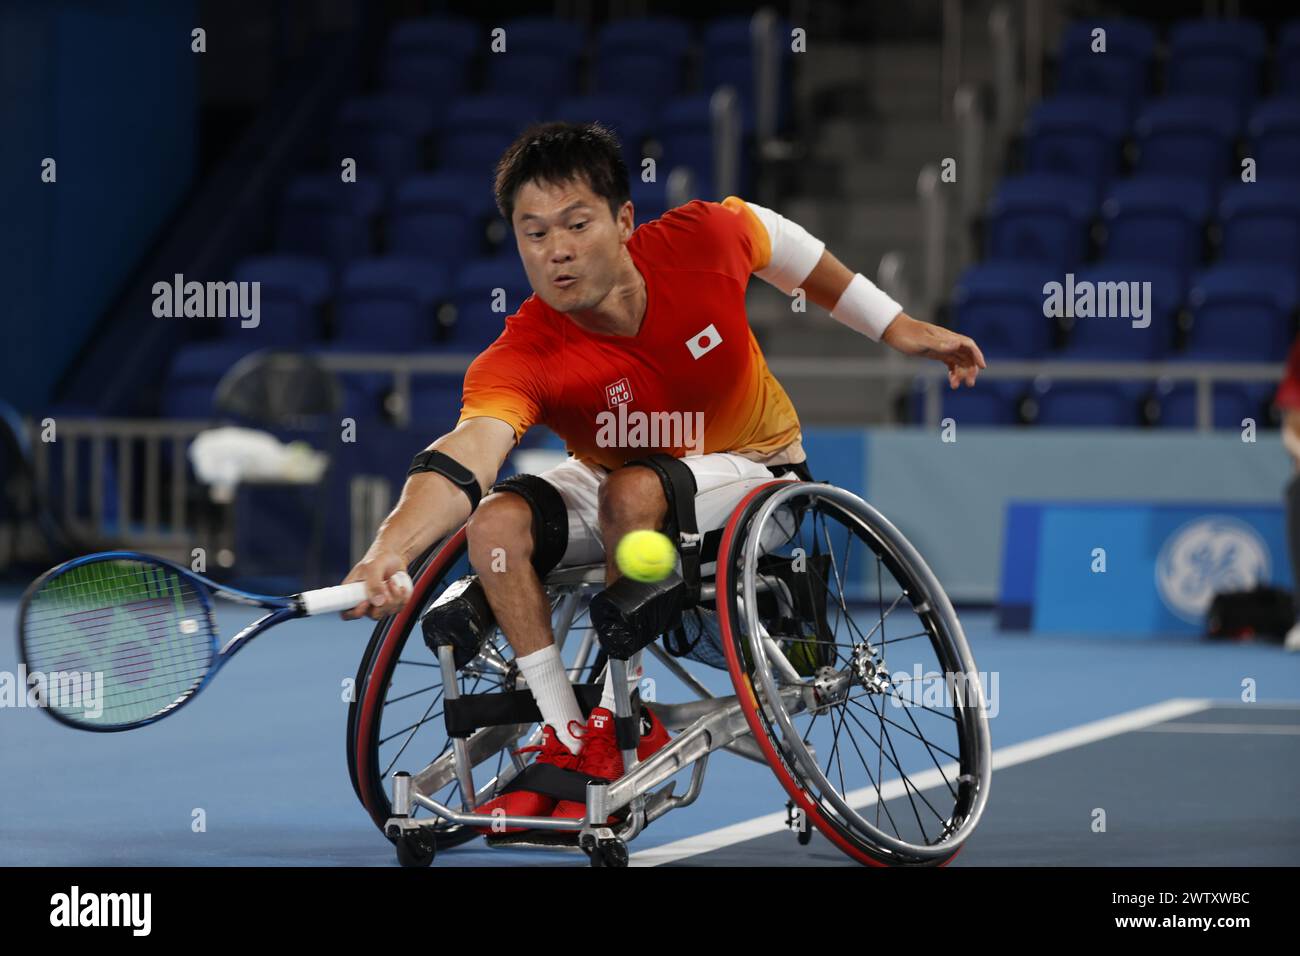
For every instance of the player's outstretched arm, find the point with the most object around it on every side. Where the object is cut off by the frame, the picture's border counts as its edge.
(430, 508)
(800, 260)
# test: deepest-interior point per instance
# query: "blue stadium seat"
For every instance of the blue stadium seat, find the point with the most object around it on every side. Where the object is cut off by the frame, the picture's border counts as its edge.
(563, 39)
(436, 78)
(629, 117)
(642, 56)
(1000, 306)
(447, 35)
(1114, 338)
(1122, 72)
(1188, 136)
(383, 134)
(388, 304)
(326, 217)
(1216, 58)
(476, 323)
(436, 401)
(1126, 38)
(441, 216)
(729, 61)
(1157, 219)
(989, 402)
(1288, 59)
(1274, 130)
(1075, 136)
(1231, 403)
(543, 75)
(479, 128)
(195, 370)
(686, 134)
(654, 34)
(1088, 404)
(541, 56)
(1241, 313)
(1041, 217)
(291, 292)
(1261, 223)
(649, 200)
(1120, 80)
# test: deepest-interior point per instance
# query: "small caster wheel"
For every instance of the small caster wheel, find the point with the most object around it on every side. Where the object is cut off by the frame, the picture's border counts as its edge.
(611, 853)
(414, 850)
(804, 837)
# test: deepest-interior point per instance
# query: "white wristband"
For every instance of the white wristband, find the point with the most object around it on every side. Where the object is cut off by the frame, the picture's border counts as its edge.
(865, 308)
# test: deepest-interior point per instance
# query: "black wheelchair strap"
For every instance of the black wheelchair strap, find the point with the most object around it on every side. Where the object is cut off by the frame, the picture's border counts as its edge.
(469, 712)
(553, 781)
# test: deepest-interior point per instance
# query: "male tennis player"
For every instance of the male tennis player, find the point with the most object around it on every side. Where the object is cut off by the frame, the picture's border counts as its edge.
(651, 319)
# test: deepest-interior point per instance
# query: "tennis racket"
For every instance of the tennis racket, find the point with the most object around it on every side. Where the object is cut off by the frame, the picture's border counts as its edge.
(121, 639)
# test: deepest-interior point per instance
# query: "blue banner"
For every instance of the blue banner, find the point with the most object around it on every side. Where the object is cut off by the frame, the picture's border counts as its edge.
(1133, 568)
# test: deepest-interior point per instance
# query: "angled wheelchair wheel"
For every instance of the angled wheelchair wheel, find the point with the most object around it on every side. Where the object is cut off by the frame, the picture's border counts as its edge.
(396, 720)
(853, 673)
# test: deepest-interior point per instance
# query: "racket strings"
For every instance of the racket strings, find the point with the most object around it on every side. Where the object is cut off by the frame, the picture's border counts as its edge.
(118, 641)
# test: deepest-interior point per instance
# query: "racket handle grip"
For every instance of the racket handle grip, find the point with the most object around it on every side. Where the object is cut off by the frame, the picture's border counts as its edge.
(344, 597)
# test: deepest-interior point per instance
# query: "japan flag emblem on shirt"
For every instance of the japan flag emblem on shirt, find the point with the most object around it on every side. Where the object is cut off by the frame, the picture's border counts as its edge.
(704, 342)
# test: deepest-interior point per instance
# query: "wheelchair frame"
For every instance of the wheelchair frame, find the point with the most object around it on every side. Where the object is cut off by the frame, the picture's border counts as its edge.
(701, 726)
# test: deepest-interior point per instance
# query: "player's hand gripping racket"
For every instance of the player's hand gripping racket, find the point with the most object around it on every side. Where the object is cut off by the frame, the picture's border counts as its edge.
(139, 634)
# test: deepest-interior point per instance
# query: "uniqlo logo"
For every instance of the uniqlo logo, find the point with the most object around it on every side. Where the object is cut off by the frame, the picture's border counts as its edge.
(618, 393)
(705, 341)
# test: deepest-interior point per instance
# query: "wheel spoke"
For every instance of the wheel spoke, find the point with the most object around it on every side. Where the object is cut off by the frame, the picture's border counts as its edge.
(393, 700)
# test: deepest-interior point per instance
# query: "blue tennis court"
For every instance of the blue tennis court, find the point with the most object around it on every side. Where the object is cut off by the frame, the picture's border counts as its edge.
(253, 773)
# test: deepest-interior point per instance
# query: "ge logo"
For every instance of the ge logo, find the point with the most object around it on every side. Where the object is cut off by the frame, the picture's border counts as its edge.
(1205, 557)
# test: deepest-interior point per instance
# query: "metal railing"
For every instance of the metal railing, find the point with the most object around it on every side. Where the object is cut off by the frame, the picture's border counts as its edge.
(150, 504)
(892, 368)
(724, 113)
(934, 238)
(1203, 375)
(1006, 90)
(766, 45)
(950, 54)
(971, 163)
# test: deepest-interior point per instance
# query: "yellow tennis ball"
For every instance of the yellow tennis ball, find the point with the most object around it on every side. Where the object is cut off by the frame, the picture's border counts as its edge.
(646, 556)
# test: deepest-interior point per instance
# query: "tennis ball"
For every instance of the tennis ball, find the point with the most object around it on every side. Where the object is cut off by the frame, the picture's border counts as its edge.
(646, 556)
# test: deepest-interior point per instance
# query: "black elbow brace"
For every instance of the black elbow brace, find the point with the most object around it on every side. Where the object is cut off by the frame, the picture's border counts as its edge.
(451, 469)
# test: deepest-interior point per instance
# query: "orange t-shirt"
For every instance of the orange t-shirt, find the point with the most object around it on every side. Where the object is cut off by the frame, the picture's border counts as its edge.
(691, 381)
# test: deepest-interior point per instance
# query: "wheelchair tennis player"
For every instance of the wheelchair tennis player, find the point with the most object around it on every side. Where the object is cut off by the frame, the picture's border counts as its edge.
(623, 320)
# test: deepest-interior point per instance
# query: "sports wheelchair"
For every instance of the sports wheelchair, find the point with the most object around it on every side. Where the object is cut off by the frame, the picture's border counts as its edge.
(852, 681)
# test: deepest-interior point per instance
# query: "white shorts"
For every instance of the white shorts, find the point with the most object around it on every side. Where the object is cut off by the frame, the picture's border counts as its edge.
(721, 480)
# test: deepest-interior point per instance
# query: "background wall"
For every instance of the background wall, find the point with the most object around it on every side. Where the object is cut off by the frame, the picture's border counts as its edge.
(81, 76)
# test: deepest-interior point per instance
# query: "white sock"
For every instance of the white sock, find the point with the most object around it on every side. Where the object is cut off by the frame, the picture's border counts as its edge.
(544, 673)
(634, 674)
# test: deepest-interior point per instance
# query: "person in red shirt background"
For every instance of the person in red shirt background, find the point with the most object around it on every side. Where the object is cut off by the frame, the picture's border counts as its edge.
(1288, 401)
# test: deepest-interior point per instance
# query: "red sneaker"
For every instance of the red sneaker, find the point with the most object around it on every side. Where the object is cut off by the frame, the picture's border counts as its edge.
(601, 758)
(528, 803)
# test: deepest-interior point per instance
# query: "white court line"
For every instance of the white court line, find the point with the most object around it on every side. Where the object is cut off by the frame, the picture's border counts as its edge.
(1207, 728)
(1005, 757)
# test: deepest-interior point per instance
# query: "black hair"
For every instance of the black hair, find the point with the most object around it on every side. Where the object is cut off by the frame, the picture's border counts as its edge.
(557, 153)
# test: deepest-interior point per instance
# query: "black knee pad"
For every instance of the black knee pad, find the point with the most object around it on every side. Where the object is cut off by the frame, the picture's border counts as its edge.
(679, 486)
(550, 518)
